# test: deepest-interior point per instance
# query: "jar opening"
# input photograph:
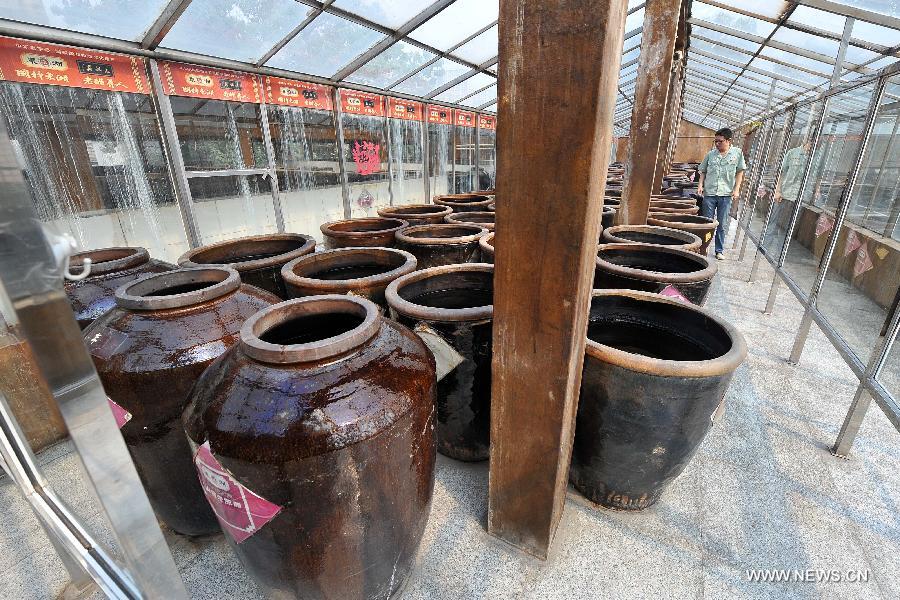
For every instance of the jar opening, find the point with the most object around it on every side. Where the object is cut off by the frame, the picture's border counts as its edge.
(648, 259)
(179, 289)
(306, 329)
(469, 289)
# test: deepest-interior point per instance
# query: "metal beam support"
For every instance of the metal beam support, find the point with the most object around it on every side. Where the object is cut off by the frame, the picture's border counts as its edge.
(479, 69)
(650, 104)
(554, 54)
(163, 23)
(271, 171)
(853, 12)
(842, 53)
(339, 129)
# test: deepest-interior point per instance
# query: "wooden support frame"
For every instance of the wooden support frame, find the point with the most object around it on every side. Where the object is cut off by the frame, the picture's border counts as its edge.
(661, 18)
(559, 67)
(674, 100)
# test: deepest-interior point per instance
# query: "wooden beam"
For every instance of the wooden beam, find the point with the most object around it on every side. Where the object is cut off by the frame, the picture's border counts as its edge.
(651, 91)
(674, 100)
(559, 64)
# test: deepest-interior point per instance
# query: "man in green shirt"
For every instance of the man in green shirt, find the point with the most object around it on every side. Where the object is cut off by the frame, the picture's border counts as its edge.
(721, 175)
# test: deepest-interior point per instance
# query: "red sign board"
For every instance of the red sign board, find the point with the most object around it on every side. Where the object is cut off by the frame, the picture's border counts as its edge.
(50, 64)
(289, 92)
(487, 122)
(464, 118)
(440, 114)
(362, 103)
(409, 110)
(194, 81)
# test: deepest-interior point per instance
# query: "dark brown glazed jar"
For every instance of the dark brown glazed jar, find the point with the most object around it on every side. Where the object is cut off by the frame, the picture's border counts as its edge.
(607, 217)
(149, 351)
(674, 206)
(486, 244)
(324, 412)
(110, 268)
(416, 214)
(702, 227)
(651, 234)
(258, 258)
(478, 218)
(369, 232)
(446, 244)
(363, 272)
(451, 308)
(464, 202)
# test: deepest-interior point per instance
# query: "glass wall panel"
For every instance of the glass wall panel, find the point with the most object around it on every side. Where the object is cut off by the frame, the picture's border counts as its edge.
(889, 375)
(762, 196)
(306, 160)
(440, 152)
(215, 134)
(95, 166)
(365, 159)
(227, 207)
(407, 162)
(487, 159)
(787, 177)
(465, 178)
(838, 145)
(864, 274)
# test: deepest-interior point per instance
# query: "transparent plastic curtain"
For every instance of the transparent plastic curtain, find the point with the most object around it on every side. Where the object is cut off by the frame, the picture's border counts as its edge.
(407, 174)
(365, 160)
(95, 166)
(440, 150)
(306, 160)
(487, 159)
(465, 174)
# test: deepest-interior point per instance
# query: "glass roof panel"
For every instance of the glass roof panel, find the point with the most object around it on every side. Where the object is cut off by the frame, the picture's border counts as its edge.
(432, 77)
(480, 48)
(876, 34)
(859, 56)
(766, 8)
(464, 88)
(631, 55)
(813, 17)
(634, 20)
(721, 50)
(119, 19)
(237, 29)
(730, 19)
(492, 108)
(725, 38)
(456, 22)
(807, 41)
(392, 64)
(390, 13)
(324, 46)
(481, 97)
(794, 59)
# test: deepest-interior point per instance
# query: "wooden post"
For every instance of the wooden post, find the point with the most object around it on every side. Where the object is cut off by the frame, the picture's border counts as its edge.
(669, 126)
(650, 101)
(559, 64)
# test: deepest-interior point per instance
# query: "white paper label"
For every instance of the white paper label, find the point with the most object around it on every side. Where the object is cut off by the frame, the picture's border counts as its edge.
(445, 356)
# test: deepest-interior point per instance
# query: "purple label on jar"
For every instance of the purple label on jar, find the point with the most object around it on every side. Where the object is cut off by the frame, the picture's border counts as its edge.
(240, 512)
(121, 415)
(670, 291)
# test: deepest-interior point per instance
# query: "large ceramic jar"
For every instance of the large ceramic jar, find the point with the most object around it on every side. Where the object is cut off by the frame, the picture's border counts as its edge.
(674, 206)
(607, 217)
(651, 234)
(655, 372)
(436, 245)
(702, 227)
(257, 258)
(451, 308)
(149, 351)
(486, 245)
(363, 272)
(652, 268)
(464, 202)
(416, 214)
(478, 218)
(369, 231)
(110, 268)
(319, 425)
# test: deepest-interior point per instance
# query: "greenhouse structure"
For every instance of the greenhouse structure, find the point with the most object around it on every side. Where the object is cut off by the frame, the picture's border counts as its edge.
(438, 299)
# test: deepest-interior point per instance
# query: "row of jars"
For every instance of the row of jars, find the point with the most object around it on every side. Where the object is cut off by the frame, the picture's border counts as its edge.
(309, 383)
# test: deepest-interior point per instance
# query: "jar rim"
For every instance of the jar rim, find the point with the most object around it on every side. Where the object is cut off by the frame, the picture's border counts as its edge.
(139, 293)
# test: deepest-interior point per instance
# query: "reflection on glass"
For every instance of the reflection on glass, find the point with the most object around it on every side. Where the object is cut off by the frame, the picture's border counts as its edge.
(121, 19)
(230, 207)
(440, 151)
(889, 375)
(390, 13)
(465, 178)
(95, 167)
(432, 77)
(761, 197)
(306, 160)
(407, 164)
(835, 154)
(863, 276)
(487, 159)
(365, 160)
(456, 22)
(392, 64)
(215, 134)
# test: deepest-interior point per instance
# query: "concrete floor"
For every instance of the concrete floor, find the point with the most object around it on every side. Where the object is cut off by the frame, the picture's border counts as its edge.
(763, 492)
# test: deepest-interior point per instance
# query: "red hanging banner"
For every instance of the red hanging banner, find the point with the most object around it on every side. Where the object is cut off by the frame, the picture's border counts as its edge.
(362, 103)
(289, 92)
(409, 110)
(440, 115)
(487, 122)
(50, 64)
(464, 118)
(194, 81)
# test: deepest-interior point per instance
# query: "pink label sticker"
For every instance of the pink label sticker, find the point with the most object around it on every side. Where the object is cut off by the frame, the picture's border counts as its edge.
(121, 415)
(365, 155)
(671, 291)
(824, 224)
(853, 242)
(863, 261)
(240, 512)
